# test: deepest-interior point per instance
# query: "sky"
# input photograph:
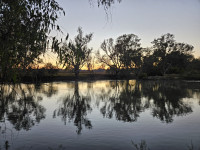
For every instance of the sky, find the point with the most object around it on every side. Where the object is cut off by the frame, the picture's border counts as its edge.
(148, 19)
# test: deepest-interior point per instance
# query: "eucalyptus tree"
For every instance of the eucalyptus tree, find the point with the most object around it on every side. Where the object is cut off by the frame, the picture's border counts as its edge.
(180, 57)
(148, 63)
(168, 53)
(110, 56)
(24, 29)
(125, 53)
(161, 47)
(130, 51)
(75, 54)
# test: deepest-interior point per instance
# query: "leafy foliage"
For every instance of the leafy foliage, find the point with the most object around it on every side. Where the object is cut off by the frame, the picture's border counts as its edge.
(124, 54)
(24, 29)
(111, 56)
(74, 54)
(130, 50)
(169, 54)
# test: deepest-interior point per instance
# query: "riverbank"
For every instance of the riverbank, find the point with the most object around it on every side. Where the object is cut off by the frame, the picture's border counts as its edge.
(103, 76)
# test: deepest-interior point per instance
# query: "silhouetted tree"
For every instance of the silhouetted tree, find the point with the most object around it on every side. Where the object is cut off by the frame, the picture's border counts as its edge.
(76, 53)
(130, 51)
(193, 68)
(125, 53)
(24, 29)
(169, 54)
(149, 67)
(111, 56)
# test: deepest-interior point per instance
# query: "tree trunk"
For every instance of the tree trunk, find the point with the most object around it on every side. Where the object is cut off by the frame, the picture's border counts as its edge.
(76, 71)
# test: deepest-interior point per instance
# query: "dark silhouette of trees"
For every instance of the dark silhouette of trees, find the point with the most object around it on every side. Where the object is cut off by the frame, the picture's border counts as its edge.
(148, 63)
(24, 29)
(192, 71)
(169, 54)
(74, 54)
(162, 46)
(130, 52)
(124, 54)
(111, 56)
(26, 24)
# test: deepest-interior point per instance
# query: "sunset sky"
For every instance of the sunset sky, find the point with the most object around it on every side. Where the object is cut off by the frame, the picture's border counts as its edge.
(149, 19)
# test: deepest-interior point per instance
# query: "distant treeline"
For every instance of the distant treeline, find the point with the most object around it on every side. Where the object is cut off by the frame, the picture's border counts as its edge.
(124, 57)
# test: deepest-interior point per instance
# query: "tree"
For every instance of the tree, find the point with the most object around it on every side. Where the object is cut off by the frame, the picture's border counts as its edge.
(24, 29)
(149, 63)
(111, 56)
(76, 53)
(180, 57)
(169, 54)
(124, 54)
(194, 66)
(130, 51)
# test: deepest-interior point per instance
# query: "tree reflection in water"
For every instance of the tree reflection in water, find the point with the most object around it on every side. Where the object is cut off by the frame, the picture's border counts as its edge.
(124, 101)
(20, 106)
(75, 108)
(49, 89)
(165, 99)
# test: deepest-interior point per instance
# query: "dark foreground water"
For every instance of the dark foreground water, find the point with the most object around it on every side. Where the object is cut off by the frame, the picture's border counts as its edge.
(101, 115)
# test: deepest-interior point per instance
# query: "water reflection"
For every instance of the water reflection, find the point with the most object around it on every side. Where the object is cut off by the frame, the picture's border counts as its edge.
(48, 89)
(167, 99)
(20, 106)
(75, 107)
(126, 100)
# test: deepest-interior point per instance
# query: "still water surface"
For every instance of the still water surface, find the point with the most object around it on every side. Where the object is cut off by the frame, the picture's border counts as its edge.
(100, 115)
